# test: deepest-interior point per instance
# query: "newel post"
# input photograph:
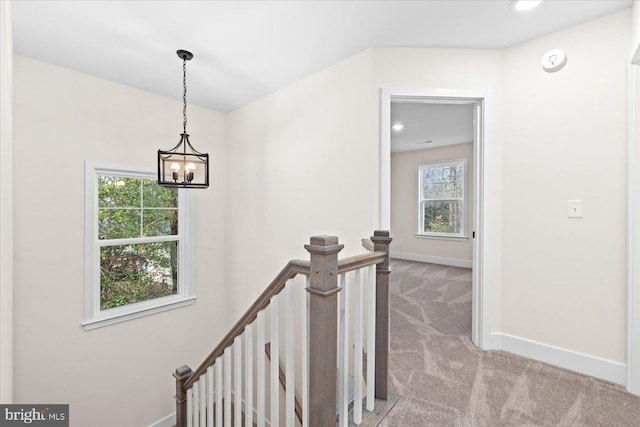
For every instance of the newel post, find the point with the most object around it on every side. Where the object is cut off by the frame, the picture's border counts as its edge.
(181, 375)
(381, 241)
(323, 314)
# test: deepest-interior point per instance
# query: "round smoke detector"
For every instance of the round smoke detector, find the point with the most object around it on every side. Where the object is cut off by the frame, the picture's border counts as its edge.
(553, 60)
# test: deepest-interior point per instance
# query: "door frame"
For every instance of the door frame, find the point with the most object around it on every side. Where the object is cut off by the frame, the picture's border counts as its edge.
(483, 137)
(6, 206)
(633, 228)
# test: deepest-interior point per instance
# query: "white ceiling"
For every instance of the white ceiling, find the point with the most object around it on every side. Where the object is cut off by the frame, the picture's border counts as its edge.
(245, 50)
(442, 124)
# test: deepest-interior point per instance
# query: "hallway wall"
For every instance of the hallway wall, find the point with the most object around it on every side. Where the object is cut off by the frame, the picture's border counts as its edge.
(566, 139)
(118, 375)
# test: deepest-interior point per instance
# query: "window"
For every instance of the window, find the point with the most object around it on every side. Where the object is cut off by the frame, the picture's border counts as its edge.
(138, 245)
(441, 199)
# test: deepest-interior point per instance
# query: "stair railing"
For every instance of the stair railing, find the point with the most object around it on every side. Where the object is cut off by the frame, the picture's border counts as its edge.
(221, 391)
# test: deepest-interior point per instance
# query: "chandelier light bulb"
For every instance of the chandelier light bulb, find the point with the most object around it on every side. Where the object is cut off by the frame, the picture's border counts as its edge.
(189, 169)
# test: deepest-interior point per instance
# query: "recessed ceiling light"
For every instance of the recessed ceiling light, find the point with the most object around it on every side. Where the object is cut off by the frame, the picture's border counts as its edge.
(397, 127)
(524, 5)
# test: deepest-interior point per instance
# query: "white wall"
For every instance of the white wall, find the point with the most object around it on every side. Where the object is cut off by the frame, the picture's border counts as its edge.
(563, 280)
(120, 374)
(404, 206)
(6, 206)
(303, 161)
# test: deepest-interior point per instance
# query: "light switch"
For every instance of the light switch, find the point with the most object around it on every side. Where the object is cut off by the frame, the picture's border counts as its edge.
(575, 208)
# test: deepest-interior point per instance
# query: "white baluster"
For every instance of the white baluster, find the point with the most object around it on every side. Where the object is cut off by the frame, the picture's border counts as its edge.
(260, 343)
(237, 368)
(371, 337)
(305, 354)
(196, 403)
(341, 346)
(275, 362)
(248, 368)
(190, 407)
(219, 409)
(227, 387)
(203, 400)
(343, 353)
(210, 396)
(357, 353)
(290, 353)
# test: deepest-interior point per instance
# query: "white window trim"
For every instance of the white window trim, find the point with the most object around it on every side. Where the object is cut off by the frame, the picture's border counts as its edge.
(442, 236)
(93, 316)
(463, 223)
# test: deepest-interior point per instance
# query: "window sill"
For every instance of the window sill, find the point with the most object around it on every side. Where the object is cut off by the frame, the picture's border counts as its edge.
(135, 311)
(441, 237)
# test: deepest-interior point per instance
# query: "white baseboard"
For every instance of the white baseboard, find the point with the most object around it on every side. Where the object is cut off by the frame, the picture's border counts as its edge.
(492, 341)
(432, 259)
(582, 363)
(168, 421)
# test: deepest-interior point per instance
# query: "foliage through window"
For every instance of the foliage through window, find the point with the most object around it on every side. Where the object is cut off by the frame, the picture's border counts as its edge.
(441, 198)
(134, 208)
(136, 247)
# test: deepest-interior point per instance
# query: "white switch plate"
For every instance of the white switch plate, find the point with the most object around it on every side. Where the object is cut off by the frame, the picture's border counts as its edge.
(574, 208)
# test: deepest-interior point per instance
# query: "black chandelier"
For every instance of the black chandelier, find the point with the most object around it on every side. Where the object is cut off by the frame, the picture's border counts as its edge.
(183, 166)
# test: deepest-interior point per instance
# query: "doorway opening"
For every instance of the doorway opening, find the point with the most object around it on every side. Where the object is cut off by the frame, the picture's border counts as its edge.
(465, 226)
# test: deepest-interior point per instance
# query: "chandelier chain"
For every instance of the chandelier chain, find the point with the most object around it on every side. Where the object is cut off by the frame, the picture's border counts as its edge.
(184, 95)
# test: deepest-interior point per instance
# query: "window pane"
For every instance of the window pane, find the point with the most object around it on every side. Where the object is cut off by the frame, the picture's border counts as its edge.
(160, 222)
(442, 217)
(158, 197)
(118, 223)
(443, 182)
(118, 192)
(135, 273)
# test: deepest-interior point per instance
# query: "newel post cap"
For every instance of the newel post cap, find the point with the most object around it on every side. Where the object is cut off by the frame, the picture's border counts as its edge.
(182, 373)
(324, 245)
(381, 236)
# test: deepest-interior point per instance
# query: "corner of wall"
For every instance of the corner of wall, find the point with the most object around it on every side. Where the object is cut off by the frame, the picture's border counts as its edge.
(635, 32)
(6, 206)
(633, 209)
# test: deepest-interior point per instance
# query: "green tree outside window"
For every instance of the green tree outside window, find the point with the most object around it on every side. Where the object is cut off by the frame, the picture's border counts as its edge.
(441, 197)
(130, 210)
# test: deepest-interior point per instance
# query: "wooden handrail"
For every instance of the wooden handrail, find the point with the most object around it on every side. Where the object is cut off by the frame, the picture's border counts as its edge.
(293, 268)
(367, 244)
(359, 261)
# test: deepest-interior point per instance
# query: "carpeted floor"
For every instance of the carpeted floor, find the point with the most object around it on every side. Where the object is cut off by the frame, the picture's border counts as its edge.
(442, 379)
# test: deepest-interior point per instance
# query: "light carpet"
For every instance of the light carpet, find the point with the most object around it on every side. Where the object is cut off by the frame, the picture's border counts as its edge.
(442, 379)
